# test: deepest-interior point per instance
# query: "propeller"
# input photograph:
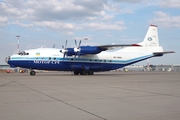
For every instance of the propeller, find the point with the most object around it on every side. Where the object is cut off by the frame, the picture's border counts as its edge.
(77, 48)
(64, 50)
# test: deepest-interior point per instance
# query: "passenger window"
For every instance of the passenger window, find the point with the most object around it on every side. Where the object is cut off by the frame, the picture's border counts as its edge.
(49, 58)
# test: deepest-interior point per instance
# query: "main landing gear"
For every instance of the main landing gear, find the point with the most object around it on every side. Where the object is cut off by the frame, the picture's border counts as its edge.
(32, 73)
(84, 72)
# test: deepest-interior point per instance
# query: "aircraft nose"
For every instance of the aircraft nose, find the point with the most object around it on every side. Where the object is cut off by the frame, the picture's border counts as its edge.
(7, 59)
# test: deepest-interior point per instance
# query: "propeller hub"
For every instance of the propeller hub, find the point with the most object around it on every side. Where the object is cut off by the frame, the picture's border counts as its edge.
(63, 51)
(77, 48)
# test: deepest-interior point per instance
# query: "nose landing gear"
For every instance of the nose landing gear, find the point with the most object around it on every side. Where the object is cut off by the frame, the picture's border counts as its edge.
(32, 73)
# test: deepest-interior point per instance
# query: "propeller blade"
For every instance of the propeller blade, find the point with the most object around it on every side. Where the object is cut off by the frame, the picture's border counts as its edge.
(79, 55)
(79, 43)
(75, 42)
(66, 44)
(64, 50)
(75, 56)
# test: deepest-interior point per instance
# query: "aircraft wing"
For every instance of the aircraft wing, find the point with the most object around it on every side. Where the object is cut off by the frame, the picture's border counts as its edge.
(162, 53)
(107, 47)
(86, 50)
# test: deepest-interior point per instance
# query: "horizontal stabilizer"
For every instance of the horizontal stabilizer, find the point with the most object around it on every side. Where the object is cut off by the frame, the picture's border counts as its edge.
(162, 53)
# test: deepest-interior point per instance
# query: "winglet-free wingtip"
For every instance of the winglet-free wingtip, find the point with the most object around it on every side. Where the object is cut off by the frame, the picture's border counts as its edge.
(161, 53)
(153, 25)
(172, 52)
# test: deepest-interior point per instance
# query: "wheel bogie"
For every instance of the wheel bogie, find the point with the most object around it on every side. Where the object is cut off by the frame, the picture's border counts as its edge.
(84, 72)
(76, 72)
(90, 72)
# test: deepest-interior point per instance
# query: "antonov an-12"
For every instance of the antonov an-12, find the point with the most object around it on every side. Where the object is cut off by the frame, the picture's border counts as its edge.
(85, 60)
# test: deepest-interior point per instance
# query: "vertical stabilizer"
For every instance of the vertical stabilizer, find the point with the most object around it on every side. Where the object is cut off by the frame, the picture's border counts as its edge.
(149, 44)
(151, 39)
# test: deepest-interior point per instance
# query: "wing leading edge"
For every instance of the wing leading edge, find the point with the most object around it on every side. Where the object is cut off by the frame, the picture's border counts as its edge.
(107, 47)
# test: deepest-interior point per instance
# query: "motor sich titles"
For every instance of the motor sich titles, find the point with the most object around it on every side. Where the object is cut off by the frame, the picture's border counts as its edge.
(46, 62)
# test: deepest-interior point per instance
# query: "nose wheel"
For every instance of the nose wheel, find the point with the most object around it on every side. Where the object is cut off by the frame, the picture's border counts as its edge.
(32, 73)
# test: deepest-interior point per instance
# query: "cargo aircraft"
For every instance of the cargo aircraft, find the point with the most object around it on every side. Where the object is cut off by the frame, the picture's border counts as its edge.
(85, 60)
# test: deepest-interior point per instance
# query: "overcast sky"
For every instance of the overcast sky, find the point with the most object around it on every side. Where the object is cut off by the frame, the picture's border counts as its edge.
(43, 23)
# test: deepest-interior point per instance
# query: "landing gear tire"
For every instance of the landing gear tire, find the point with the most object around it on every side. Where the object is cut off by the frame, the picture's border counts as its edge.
(90, 72)
(76, 73)
(32, 73)
(84, 72)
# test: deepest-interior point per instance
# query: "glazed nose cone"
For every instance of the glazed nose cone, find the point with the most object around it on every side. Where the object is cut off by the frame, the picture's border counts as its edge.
(6, 59)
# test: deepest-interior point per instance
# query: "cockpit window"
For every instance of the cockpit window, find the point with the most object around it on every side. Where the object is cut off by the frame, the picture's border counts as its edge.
(23, 53)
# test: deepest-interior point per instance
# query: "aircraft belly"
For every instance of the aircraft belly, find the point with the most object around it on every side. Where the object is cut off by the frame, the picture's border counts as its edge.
(78, 66)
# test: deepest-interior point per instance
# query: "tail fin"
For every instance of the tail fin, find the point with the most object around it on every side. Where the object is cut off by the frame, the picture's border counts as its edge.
(151, 39)
(149, 44)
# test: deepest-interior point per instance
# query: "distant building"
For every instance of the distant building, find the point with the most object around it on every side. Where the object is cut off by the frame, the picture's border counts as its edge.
(169, 68)
(176, 68)
(4, 66)
(173, 68)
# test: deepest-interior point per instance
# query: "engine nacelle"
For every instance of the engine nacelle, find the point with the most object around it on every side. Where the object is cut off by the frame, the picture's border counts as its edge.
(68, 51)
(89, 50)
(83, 50)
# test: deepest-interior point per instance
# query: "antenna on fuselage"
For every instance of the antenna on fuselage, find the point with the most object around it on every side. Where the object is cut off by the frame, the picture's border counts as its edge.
(54, 46)
(18, 50)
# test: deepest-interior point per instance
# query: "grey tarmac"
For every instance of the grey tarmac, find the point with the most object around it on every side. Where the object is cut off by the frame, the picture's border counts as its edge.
(103, 96)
